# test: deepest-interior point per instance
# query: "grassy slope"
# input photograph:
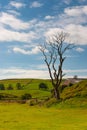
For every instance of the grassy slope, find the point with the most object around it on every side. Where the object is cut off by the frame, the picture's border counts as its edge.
(30, 86)
(77, 90)
(76, 94)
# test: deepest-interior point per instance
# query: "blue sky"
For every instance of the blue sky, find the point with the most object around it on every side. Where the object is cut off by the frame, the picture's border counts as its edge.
(26, 23)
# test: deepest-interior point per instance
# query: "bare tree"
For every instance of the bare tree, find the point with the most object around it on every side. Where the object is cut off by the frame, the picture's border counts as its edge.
(54, 55)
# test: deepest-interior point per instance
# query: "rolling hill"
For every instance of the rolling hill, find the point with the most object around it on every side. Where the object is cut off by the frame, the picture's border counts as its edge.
(75, 94)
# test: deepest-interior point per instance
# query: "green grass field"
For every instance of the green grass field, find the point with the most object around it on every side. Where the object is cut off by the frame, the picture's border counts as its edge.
(70, 114)
(23, 117)
(30, 86)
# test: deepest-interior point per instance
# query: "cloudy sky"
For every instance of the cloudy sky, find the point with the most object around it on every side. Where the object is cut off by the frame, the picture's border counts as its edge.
(26, 23)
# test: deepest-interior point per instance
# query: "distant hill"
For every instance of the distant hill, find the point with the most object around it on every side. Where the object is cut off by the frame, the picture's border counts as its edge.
(75, 94)
(30, 86)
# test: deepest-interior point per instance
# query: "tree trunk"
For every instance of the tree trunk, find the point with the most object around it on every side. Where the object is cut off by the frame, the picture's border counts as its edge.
(56, 93)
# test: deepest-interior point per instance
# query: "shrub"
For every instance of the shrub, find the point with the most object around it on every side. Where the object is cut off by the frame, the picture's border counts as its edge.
(62, 87)
(22, 86)
(10, 87)
(18, 85)
(2, 87)
(50, 102)
(26, 96)
(33, 102)
(70, 84)
(43, 86)
(1, 96)
(21, 101)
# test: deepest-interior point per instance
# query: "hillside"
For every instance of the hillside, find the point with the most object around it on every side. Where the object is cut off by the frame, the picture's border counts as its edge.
(30, 86)
(77, 90)
(76, 94)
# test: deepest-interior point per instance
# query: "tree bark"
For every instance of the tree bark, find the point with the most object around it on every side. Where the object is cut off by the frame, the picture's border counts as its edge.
(56, 93)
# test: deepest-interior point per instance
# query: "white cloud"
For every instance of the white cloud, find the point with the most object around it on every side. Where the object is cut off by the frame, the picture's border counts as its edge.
(76, 71)
(19, 50)
(67, 1)
(73, 15)
(10, 73)
(17, 4)
(80, 49)
(52, 31)
(48, 17)
(74, 24)
(23, 73)
(13, 29)
(10, 36)
(36, 4)
(13, 22)
(34, 50)
(42, 67)
(65, 22)
(76, 11)
(77, 33)
(13, 12)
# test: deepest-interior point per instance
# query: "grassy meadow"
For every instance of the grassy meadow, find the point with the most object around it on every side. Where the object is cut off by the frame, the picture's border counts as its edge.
(29, 86)
(69, 114)
(23, 117)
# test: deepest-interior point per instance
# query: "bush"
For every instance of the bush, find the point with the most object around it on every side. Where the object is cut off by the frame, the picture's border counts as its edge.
(26, 96)
(43, 86)
(33, 102)
(1, 96)
(10, 87)
(50, 102)
(70, 84)
(62, 87)
(2, 87)
(19, 87)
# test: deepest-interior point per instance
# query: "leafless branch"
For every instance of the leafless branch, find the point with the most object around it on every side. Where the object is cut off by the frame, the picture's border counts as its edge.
(53, 52)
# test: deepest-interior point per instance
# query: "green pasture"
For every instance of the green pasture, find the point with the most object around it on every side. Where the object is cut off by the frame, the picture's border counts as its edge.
(68, 114)
(35, 93)
(23, 117)
(30, 86)
(27, 83)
